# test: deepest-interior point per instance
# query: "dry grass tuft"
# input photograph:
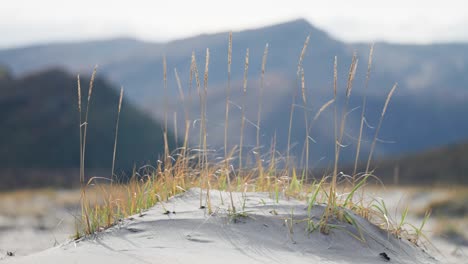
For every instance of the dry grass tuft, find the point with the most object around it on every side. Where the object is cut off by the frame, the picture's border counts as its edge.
(185, 167)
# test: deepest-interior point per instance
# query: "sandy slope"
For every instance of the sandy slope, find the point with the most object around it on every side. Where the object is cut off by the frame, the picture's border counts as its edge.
(271, 233)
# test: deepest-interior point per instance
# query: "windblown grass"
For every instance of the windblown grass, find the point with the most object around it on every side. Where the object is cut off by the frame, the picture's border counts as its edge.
(186, 167)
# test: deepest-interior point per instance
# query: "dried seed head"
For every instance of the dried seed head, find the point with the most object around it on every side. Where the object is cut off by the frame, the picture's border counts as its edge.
(389, 96)
(264, 59)
(371, 56)
(230, 52)
(325, 106)
(79, 93)
(304, 99)
(191, 79)
(195, 71)
(91, 83)
(301, 58)
(205, 77)
(246, 69)
(120, 99)
(179, 84)
(351, 74)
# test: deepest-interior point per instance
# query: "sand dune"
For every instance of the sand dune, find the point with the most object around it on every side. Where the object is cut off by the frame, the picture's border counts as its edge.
(178, 231)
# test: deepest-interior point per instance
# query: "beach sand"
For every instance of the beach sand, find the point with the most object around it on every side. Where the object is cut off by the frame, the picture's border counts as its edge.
(178, 231)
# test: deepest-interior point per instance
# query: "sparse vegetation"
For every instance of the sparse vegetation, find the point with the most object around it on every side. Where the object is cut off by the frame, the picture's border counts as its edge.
(186, 167)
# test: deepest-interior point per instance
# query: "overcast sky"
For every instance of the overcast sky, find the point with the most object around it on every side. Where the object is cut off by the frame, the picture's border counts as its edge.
(24, 22)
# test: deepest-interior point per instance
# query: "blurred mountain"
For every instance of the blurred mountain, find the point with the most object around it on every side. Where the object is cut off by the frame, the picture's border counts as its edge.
(428, 109)
(446, 165)
(40, 125)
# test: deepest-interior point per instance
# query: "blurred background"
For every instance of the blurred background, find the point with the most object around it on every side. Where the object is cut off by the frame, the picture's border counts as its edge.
(422, 149)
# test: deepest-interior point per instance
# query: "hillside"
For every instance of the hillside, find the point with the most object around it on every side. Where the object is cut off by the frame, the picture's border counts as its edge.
(428, 109)
(40, 126)
(446, 165)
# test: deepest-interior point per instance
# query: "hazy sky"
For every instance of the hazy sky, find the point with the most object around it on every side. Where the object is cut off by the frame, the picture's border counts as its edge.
(25, 22)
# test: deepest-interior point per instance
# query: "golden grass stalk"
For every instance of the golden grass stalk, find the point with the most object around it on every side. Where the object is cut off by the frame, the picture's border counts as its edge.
(363, 112)
(166, 144)
(182, 98)
(331, 204)
(79, 94)
(301, 57)
(293, 103)
(262, 84)
(335, 117)
(81, 121)
(165, 95)
(303, 90)
(83, 131)
(306, 122)
(186, 140)
(175, 128)
(200, 95)
(230, 52)
(387, 101)
(179, 85)
(166, 150)
(226, 122)
(322, 108)
(351, 75)
(116, 133)
(246, 70)
(194, 70)
(190, 85)
(272, 168)
(317, 115)
(291, 115)
(259, 114)
(205, 150)
(241, 143)
(85, 124)
(228, 92)
(82, 188)
(349, 85)
(91, 83)
(205, 75)
(339, 142)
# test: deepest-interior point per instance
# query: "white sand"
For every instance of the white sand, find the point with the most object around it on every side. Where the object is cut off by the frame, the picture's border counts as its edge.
(191, 235)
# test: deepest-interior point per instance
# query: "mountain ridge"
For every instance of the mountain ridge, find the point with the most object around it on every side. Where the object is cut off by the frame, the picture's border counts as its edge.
(40, 114)
(432, 82)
